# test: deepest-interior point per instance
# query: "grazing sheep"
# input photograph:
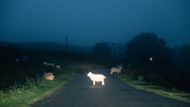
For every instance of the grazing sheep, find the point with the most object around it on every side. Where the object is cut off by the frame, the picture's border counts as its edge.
(115, 69)
(96, 77)
(48, 76)
(49, 64)
(58, 67)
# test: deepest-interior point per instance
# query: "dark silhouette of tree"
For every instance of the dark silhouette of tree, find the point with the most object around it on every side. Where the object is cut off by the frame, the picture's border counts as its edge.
(183, 58)
(117, 51)
(146, 49)
(101, 51)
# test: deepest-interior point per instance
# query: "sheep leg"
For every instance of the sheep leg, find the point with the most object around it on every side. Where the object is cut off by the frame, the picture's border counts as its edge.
(111, 72)
(103, 82)
(94, 83)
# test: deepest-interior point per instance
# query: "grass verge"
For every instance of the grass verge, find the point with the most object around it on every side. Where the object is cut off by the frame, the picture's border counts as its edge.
(148, 87)
(25, 95)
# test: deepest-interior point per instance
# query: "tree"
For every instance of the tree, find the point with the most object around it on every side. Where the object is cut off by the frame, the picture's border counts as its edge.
(101, 51)
(117, 51)
(147, 48)
(183, 58)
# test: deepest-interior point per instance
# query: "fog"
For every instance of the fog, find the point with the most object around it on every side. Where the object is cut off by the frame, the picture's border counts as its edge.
(86, 22)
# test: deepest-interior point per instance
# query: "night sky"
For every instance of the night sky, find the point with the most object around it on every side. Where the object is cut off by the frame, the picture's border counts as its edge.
(87, 21)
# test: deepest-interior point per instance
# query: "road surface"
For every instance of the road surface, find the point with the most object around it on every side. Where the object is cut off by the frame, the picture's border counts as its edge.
(80, 93)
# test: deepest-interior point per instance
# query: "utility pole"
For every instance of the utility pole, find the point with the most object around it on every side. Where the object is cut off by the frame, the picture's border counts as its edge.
(66, 40)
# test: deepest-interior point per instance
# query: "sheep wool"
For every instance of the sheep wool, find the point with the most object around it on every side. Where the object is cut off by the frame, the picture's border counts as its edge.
(96, 78)
(115, 70)
(48, 76)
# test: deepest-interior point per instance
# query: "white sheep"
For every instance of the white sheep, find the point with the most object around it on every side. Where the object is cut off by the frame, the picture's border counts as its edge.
(58, 67)
(96, 78)
(115, 69)
(48, 76)
(49, 64)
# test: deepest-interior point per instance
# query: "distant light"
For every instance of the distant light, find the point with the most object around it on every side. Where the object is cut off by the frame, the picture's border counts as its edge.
(151, 58)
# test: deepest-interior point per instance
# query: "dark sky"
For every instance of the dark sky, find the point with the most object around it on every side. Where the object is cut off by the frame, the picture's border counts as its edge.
(88, 21)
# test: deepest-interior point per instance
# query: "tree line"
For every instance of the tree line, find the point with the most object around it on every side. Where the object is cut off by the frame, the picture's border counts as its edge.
(148, 55)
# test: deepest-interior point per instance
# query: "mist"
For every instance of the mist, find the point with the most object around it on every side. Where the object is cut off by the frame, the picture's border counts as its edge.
(86, 22)
(75, 52)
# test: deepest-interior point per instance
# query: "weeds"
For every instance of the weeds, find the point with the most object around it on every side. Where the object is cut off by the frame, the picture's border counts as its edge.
(32, 90)
(149, 87)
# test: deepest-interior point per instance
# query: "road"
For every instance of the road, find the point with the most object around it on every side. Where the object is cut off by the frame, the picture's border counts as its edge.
(80, 93)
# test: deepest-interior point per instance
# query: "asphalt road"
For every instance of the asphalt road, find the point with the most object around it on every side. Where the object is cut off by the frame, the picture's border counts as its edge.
(80, 93)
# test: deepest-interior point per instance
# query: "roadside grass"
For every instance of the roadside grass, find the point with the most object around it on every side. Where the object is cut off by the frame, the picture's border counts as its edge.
(23, 96)
(149, 87)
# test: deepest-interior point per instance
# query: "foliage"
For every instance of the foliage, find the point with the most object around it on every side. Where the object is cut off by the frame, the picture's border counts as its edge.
(183, 58)
(117, 52)
(152, 88)
(101, 51)
(31, 91)
(147, 45)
